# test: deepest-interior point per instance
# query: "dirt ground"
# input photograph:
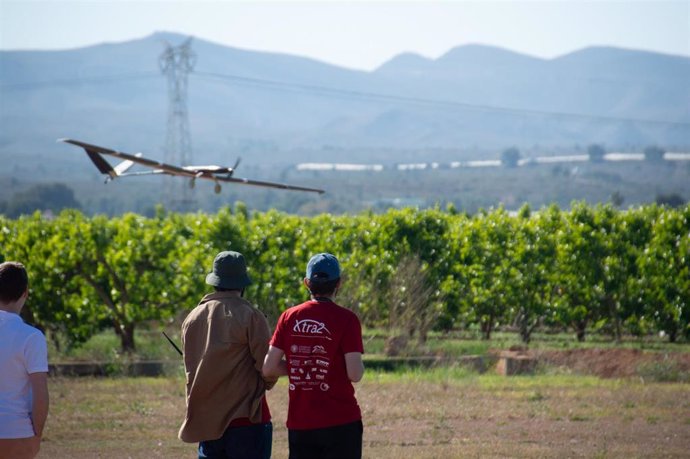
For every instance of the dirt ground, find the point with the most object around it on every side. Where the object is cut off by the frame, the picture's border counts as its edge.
(434, 413)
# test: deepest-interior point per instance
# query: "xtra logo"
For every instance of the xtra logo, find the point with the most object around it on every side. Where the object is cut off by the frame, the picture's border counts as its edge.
(311, 327)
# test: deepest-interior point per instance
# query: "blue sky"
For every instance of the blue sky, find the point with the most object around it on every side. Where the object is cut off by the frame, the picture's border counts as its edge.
(356, 34)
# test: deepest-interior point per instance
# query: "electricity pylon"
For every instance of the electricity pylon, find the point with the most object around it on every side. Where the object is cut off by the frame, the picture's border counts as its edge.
(176, 63)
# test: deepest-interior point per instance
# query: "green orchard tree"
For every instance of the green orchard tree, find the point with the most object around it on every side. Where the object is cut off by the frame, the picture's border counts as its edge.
(272, 243)
(615, 269)
(54, 304)
(665, 273)
(630, 232)
(580, 270)
(129, 268)
(534, 259)
(486, 268)
(452, 283)
(419, 239)
(201, 238)
(588, 267)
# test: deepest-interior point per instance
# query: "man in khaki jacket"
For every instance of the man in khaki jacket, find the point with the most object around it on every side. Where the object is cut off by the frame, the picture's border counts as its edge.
(225, 339)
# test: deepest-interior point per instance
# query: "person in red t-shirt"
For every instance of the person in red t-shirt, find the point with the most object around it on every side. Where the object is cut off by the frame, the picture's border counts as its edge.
(318, 345)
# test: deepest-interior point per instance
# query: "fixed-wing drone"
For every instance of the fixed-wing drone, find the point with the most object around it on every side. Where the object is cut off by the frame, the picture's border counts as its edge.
(216, 173)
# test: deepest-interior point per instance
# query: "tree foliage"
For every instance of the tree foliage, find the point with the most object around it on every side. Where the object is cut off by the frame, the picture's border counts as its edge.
(596, 153)
(654, 153)
(587, 268)
(671, 200)
(44, 197)
(510, 157)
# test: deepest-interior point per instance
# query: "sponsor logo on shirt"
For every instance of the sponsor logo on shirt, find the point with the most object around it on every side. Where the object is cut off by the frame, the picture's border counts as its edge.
(318, 349)
(310, 327)
(296, 350)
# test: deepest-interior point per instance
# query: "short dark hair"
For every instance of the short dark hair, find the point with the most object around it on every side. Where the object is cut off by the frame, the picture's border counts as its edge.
(13, 281)
(323, 288)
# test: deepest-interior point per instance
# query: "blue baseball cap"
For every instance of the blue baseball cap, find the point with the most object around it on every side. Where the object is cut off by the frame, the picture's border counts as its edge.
(323, 267)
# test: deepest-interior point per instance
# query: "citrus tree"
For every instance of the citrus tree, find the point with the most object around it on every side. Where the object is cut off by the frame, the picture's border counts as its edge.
(665, 273)
(534, 258)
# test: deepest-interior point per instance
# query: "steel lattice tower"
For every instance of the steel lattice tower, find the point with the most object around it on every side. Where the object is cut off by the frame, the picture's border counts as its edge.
(176, 63)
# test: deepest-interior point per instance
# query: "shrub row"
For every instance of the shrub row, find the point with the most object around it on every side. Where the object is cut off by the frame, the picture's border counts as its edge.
(582, 269)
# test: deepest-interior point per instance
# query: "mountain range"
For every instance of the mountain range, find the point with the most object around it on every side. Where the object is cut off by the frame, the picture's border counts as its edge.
(287, 108)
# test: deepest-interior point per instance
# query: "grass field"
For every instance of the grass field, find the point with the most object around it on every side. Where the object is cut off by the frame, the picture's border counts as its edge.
(437, 413)
(152, 346)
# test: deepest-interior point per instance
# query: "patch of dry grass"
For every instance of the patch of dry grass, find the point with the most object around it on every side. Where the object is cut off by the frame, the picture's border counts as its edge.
(439, 413)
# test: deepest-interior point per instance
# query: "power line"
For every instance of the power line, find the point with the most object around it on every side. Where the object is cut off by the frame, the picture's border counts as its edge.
(347, 94)
(31, 85)
(363, 95)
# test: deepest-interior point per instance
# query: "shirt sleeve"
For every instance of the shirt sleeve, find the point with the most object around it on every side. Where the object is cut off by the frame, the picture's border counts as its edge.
(36, 353)
(352, 338)
(278, 338)
(258, 338)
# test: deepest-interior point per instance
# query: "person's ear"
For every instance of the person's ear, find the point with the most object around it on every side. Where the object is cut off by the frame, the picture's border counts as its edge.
(306, 283)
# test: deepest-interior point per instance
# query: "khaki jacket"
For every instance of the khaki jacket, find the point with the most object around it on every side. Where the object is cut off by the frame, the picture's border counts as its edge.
(225, 340)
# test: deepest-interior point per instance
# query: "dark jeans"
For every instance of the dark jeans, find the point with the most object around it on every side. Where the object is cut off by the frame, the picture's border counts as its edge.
(338, 442)
(250, 442)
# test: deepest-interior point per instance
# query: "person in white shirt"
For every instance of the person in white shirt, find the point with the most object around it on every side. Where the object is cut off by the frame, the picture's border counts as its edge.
(23, 370)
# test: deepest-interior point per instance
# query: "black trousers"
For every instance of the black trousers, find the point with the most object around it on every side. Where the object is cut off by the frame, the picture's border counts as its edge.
(338, 442)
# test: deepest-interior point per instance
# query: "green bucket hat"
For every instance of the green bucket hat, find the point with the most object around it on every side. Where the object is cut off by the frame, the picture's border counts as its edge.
(229, 271)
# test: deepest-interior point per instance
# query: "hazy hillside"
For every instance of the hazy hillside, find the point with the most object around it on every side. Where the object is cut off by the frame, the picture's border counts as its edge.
(602, 82)
(281, 108)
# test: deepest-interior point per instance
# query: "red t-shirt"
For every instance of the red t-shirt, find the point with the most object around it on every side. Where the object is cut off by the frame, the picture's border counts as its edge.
(315, 336)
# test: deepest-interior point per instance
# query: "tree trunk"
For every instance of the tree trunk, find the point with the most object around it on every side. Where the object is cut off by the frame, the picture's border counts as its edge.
(56, 341)
(672, 334)
(580, 330)
(126, 334)
(523, 323)
(423, 335)
(615, 317)
(410, 330)
(487, 326)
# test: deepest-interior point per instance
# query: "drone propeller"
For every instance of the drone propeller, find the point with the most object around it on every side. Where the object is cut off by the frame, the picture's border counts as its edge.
(234, 168)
